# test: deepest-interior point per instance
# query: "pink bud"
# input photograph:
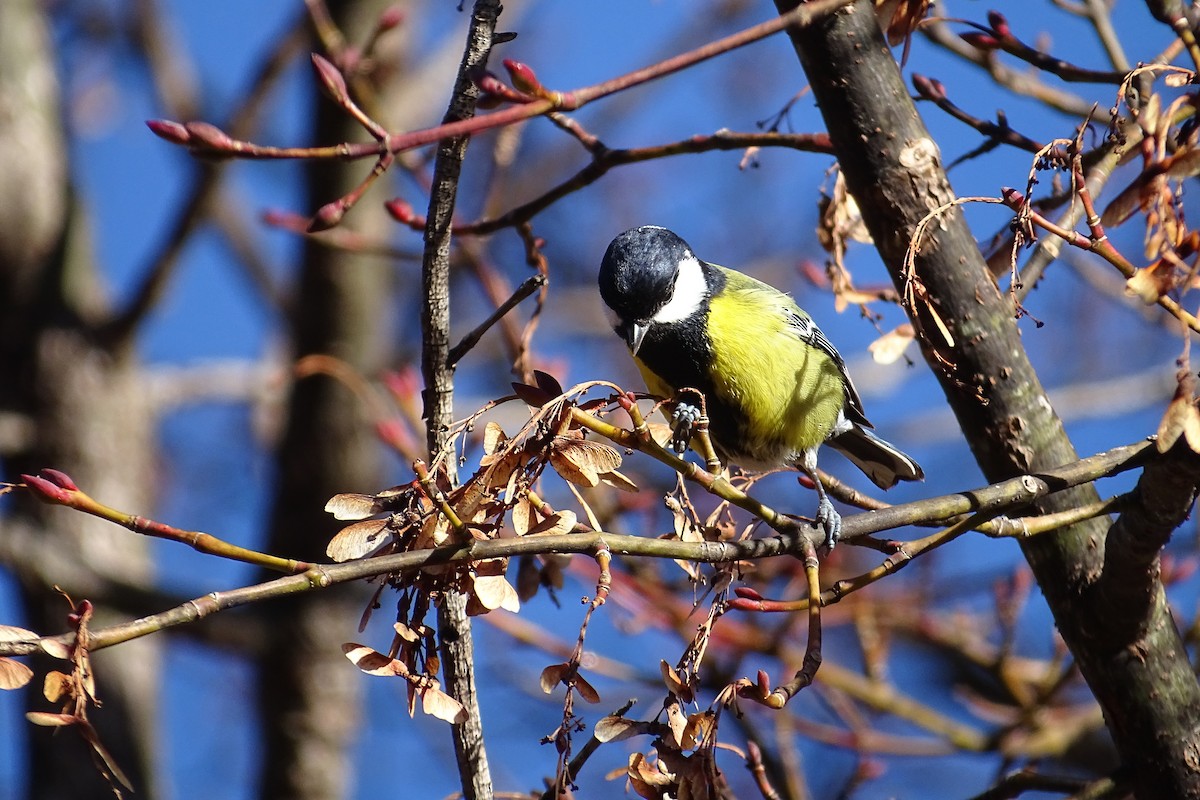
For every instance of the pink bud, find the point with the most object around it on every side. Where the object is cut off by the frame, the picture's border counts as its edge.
(523, 77)
(171, 131)
(46, 491)
(929, 88)
(400, 210)
(495, 91)
(208, 137)
(58, 478)
(329, 76)
(999, 24)
(327, 216)
(979, 40)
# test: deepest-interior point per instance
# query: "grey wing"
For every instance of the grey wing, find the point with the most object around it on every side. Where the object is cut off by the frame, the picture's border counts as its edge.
(810, 334)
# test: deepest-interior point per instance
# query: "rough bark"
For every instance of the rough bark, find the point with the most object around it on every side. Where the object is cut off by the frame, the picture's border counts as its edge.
(454, 626)
(1121, 634)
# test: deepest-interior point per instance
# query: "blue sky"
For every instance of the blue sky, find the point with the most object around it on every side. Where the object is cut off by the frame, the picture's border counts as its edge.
(762, 217)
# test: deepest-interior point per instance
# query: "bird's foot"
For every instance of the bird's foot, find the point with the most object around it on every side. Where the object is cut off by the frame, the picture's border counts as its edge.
(683, 421)
(830, 520)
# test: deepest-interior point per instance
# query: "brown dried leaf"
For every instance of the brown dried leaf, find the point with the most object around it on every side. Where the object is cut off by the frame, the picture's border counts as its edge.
(532, 395)
(491, 566)
(581, 461)
(701, 727)
(889, 348)
(352, 505)
(494, 591)
(841, 219)
(114, 770)
(437, 703)
(434, 533)
(619, 481)
(648, 779)
(57, 685)
(529, 578)
(1134, 196)
(900, 18)
(1182, 417)
(677, 722)
(1184, 164)
(675, 682)
(553, 565)
(373, 662)
(586, 690)
(1150, 283)
(1148, 117)
(358, 539)
(501, 468)
(613, 728)
(14, 674)
(494, 438)
(547, 383)
(660, 432)
(406, 633)
(553, 675)
(411, 699)
(522, 516)
(47, 719)
(848, 296)
(560, 522)
(56, 649)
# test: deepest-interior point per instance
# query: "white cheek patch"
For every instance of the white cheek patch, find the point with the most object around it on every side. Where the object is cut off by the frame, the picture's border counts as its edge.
(690, 291)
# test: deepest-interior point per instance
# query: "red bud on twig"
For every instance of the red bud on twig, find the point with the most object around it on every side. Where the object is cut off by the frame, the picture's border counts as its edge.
(330, 77)
(495, 91)
(58, 478)
(327, 216)
(1011, 196)
(208, 137)
(999, 24)
(982, 41)
(46, 491)
(171, 131)
(524, 78)
(929, 88)
(400, 210)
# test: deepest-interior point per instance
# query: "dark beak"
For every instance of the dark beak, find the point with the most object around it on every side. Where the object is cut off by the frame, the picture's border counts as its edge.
(633, 333)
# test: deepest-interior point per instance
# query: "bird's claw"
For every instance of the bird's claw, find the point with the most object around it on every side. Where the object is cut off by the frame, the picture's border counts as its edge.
(683, 420)
(830, 520)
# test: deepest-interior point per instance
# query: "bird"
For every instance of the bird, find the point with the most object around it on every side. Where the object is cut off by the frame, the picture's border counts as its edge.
(775, 388)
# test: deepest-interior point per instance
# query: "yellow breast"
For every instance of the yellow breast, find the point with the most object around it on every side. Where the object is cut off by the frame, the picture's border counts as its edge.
(788, 392)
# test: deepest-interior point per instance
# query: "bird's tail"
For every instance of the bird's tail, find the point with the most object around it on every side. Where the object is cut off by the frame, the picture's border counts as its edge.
(881, 461)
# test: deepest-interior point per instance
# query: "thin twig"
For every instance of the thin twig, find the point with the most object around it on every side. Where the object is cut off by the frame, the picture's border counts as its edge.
(464, 346)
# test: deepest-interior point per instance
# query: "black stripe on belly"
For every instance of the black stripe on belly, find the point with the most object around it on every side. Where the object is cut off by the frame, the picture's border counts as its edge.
(680, 354)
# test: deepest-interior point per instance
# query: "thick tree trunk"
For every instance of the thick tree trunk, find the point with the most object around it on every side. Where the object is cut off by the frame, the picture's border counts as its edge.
(83, 410)
(1110, 609)
(309, 693)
